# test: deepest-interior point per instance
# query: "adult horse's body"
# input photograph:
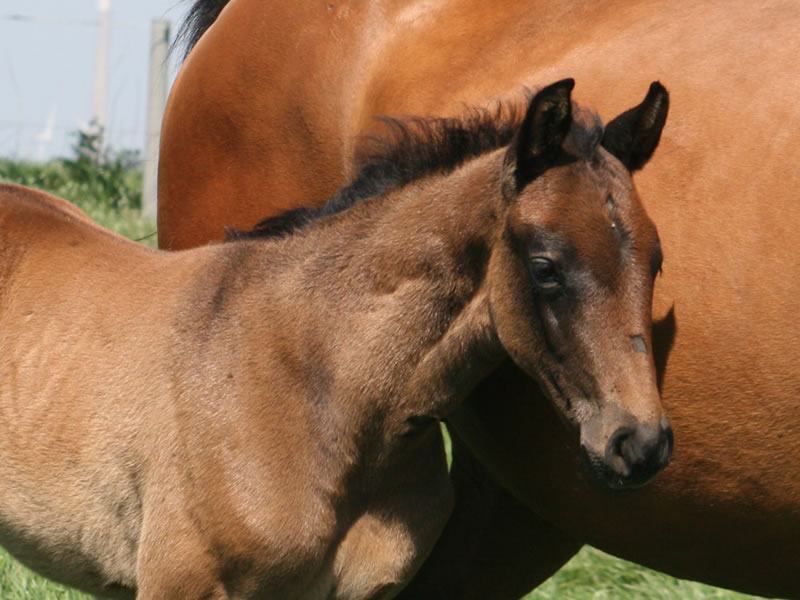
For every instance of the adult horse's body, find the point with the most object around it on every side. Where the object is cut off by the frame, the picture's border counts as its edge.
(255, 96)
(259, 419)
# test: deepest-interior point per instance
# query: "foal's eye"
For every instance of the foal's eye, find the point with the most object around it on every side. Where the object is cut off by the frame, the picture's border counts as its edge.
(545, 273)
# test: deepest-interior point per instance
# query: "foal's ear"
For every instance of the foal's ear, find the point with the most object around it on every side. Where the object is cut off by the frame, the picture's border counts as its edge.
(538, 141)
(633, 136)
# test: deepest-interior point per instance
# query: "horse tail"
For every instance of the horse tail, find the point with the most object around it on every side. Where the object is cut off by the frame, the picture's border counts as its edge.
(200, 17)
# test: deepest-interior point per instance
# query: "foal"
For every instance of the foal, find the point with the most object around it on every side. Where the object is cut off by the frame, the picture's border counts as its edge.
(260, 418)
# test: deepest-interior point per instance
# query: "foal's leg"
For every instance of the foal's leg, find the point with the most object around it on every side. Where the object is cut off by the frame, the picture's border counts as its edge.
(174, 562)
(196, 593)
(492, 547)
(189, 580)
(180, 577)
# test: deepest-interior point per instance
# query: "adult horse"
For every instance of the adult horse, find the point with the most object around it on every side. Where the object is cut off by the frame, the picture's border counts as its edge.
(161, 435)
(255, 97)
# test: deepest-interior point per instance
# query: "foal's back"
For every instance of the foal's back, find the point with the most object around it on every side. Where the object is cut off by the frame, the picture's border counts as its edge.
(68, 292)
(99, 368)
(87, 321)
(154, 429)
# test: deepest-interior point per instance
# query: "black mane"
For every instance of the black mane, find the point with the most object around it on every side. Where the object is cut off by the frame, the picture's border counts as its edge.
(414, 149)
(199, 18)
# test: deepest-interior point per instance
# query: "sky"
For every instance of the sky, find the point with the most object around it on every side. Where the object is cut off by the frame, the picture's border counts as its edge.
(48, 52)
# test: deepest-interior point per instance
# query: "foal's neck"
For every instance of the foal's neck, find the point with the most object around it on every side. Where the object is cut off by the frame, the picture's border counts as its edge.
(416, 271)
(376, 315)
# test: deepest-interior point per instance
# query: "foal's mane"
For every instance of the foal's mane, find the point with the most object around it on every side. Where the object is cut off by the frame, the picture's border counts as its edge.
(418, 147)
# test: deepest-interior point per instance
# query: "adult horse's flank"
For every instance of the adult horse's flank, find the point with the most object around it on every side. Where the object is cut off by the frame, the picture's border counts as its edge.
(266, 113)
(260, 418)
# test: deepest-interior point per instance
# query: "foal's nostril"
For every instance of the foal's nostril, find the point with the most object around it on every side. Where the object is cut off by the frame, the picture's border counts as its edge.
(638, 454)
(617, 443)
(620, 451)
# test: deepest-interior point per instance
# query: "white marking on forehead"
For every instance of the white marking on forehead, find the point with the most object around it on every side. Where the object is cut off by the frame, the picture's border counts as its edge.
(616, 225)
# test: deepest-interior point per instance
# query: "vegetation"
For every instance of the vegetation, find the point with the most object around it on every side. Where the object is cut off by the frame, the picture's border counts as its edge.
(19, 583)
(591, 575)
(108, 188)
(594, 575)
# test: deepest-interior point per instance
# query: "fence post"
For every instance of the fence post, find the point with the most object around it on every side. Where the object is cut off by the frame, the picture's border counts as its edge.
(100, 93)
(156, 101)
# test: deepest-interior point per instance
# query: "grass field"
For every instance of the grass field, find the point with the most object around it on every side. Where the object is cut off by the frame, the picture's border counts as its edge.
(594, 575)
(591, 575)
(111, 199)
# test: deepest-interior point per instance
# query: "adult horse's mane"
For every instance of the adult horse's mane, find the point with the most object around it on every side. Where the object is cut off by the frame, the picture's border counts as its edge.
(199, 18)
(418, 147)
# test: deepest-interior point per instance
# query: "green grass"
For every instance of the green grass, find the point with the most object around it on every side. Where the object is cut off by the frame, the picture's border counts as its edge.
(19, 583)
(111, 196)
(594, 575)
(590, 575)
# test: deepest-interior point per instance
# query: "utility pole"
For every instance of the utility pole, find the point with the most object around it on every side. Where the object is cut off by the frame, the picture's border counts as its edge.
(100, 95)
(156, 102)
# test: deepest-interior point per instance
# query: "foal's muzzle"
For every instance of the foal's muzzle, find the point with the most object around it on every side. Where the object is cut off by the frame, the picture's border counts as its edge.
(633, 456)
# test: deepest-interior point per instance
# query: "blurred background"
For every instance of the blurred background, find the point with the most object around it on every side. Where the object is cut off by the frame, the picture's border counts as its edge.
(64, 63)
(84, 84)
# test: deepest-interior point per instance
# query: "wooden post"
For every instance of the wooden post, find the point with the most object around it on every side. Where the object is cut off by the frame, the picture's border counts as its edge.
(157, 99)
(100, 93)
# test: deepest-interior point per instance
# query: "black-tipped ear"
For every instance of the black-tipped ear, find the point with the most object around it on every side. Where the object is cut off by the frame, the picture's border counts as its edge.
(546, 124)
(633, 136)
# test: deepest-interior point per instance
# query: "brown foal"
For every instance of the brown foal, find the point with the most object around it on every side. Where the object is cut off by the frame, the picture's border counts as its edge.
(259, 418)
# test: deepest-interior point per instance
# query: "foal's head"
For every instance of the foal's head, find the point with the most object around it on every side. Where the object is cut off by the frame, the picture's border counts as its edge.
(572, 262)
(572, 278)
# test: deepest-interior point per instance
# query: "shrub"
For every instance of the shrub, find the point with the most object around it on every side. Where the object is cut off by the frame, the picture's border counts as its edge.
(106, 185)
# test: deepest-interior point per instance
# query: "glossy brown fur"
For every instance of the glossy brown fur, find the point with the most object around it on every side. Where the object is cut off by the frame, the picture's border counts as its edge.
(255, 97)
(261, 418)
